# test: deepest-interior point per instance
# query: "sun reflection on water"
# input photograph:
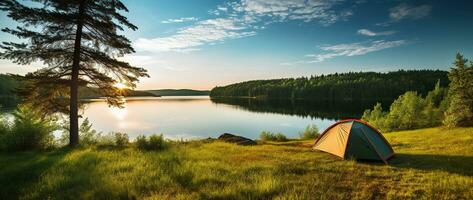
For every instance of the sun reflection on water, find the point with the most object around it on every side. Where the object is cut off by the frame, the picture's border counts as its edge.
(119, 113)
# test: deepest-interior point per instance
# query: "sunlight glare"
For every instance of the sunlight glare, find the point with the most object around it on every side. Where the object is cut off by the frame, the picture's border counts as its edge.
(119, 113)
(121, 86)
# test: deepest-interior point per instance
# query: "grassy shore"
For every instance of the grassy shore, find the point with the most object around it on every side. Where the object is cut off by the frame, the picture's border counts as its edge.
(430, 164)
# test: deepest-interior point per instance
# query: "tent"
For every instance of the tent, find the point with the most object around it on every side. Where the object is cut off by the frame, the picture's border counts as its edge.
(353, 138)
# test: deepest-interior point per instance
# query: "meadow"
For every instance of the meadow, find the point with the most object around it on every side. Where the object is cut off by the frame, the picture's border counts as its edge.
(433, 163)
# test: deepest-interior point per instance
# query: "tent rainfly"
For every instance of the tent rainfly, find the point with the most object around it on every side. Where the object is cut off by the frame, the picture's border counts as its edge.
(353, 138)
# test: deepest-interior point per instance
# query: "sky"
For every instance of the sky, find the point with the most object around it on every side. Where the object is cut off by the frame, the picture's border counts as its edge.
(207, 43)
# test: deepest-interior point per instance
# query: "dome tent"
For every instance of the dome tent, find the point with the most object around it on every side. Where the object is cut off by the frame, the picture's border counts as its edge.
(354, 138)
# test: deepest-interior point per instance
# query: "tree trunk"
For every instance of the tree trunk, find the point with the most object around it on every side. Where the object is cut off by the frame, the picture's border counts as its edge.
(73, 109)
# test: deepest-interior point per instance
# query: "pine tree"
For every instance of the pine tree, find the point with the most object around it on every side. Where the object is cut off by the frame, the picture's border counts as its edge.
(460, 108)
(79, 43)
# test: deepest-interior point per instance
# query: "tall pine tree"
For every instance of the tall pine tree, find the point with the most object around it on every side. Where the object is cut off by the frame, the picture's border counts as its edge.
(460, 108)
(79, 43)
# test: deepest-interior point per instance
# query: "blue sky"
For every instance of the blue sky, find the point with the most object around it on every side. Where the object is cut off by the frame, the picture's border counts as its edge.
(205, 43)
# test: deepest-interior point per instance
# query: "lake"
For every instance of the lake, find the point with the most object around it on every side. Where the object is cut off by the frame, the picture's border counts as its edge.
(200, 117)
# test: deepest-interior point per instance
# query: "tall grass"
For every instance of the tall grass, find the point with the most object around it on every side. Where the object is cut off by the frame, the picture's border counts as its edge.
(268, 136)
(310, 132)
(153, 142)
(430, 164)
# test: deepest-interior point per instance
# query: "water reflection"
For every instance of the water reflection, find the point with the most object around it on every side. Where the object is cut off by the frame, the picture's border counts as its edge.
(200, 117)
(332, 110)
(191, 117)
(119, 113)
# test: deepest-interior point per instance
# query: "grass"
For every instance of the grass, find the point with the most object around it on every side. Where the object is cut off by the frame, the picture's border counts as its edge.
(430, 164)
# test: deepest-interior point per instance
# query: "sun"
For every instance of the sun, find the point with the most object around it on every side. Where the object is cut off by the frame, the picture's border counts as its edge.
(121, 86)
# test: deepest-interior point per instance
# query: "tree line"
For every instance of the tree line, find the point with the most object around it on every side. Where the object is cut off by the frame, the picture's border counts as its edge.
(451, 106)
(339, 86)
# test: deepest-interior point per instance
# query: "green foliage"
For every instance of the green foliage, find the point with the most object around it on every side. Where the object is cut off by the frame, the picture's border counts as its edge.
(28, 131)
(375, 117)
(310, 132)
(460, 105)
(120, 139)
(87, 135)
(8, 85)
(409, 111)
(268, 136)
(406, 112)
(153, 142)
(338, 87)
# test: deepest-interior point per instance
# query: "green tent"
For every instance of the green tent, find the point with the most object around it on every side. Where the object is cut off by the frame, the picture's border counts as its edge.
(354, 138)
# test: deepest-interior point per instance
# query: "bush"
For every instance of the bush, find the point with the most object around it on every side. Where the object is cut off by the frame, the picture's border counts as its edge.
(29, 130)
(141, 142)
(280, 137)
(268, 136)
(153, 142)
(120, 139)
(87, 135)
(310, 132)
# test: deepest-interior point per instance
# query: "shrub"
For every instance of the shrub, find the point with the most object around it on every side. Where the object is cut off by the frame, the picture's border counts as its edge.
(156, 142)
(29, 130)
(310, 132)
(120, 139)
(268, 136)
(87, 135)
(280, 137)
(141, 142)
(153, 142)
(408, 111)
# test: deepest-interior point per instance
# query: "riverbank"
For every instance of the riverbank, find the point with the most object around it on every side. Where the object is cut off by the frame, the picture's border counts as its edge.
(430, 163)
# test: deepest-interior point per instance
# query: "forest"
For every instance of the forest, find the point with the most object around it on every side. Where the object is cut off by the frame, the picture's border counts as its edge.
(339, 86)
(9, 95)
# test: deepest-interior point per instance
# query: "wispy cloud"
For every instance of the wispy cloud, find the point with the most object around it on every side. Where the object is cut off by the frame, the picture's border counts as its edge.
(404, 11)
(184, 19)
(350, 49)
(315, 10)
(242, 19)
(190, 38)
(372, 33)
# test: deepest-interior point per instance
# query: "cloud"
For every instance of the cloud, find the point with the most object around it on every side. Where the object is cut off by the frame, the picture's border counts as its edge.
(149, 61)
(184, 19)
(242, 19)
(189, 38)
(350, 49)
(371, 33)
(404, 11)
(321, 11)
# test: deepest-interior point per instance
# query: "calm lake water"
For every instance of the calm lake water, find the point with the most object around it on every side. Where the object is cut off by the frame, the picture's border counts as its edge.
(196, 117)
(201, 117)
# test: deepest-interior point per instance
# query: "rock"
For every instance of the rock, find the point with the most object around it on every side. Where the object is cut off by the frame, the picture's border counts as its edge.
(239, 140)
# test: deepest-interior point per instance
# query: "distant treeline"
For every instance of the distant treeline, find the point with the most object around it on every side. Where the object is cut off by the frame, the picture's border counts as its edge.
(179, 92)
(339, 86)
(9, 98)
(93, 93)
